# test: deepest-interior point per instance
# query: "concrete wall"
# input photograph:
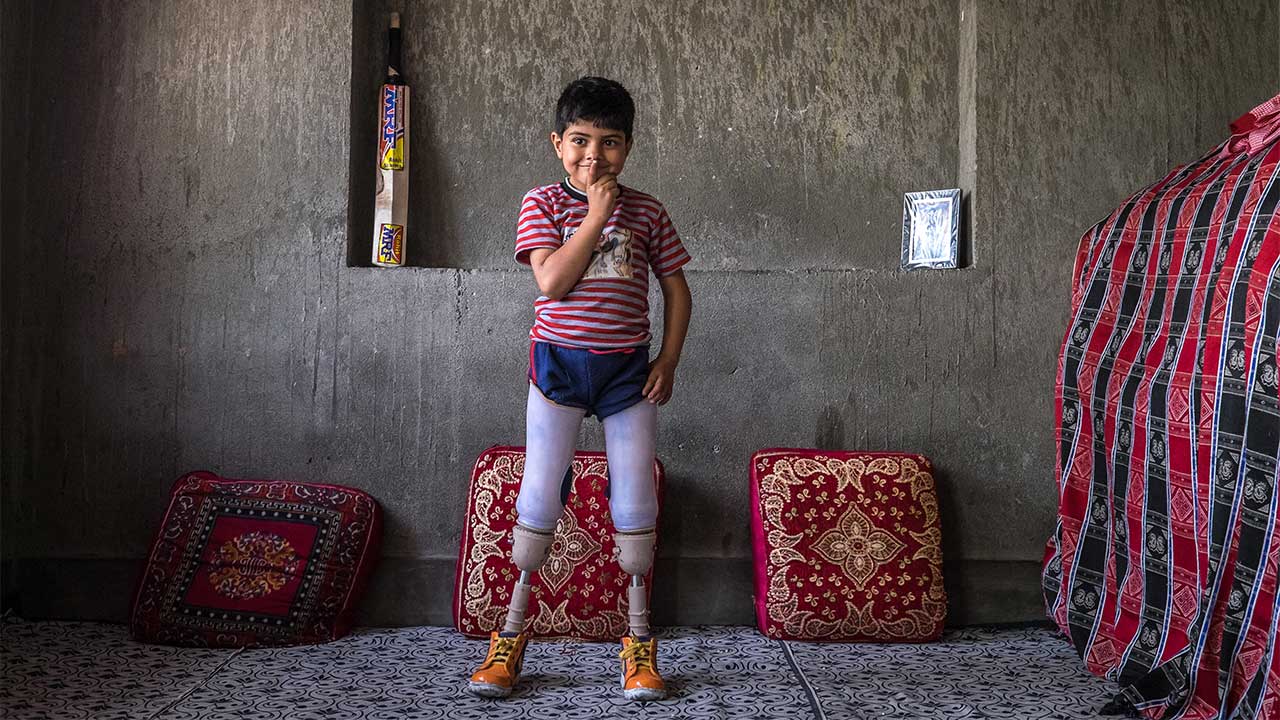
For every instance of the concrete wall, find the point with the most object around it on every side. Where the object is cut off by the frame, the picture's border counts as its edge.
(16, 335)
(183, 297)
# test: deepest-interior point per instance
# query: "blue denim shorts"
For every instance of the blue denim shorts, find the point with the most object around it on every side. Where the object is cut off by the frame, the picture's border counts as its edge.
(602, 382)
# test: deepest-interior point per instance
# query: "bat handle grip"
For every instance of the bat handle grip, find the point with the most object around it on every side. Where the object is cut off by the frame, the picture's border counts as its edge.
(394, 76)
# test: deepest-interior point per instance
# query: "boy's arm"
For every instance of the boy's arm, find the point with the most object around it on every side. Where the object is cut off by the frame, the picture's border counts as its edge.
(677, 305)
(557, 271)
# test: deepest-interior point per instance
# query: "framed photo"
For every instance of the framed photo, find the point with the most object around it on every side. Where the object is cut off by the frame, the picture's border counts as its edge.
(931, 229)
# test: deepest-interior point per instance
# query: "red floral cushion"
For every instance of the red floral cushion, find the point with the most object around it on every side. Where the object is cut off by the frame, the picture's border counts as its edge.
(580, 593)
(243, 563)
(847, 546)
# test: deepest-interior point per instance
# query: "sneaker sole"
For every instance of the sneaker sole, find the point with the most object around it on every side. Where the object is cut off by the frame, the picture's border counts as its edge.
(642, 694)
(488, 691)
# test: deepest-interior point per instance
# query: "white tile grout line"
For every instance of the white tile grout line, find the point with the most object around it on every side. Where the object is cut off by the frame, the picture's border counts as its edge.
(818, 714)
(195, 687)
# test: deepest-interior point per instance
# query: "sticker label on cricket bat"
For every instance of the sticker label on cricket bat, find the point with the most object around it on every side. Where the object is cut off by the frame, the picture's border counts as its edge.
(390, 245)
(391, 137)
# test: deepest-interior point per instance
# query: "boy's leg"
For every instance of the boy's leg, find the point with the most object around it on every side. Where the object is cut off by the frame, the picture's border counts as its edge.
(551, 431)
(630, 440)
(630, 437)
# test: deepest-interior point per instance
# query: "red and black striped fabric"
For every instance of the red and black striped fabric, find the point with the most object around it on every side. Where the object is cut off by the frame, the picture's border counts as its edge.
(1163, 567)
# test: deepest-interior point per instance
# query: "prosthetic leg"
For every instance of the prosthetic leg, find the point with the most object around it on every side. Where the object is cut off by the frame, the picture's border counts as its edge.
(640, 677)
(497, 676)
(551, 430)
(630, 437)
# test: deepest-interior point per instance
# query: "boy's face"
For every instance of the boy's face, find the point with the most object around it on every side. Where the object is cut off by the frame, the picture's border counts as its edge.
(588, 152)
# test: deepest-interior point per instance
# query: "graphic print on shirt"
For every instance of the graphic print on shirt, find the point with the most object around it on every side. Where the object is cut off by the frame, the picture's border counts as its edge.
(608, 308)
(612, 256)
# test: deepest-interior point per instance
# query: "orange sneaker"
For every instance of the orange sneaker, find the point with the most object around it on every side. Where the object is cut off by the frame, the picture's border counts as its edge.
(640, 678)
(497, 676)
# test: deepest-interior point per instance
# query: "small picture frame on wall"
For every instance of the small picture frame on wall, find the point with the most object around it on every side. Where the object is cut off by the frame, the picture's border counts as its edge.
(931, 229)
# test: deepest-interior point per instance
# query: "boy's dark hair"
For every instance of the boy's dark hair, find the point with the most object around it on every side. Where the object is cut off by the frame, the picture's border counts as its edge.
(596, 100)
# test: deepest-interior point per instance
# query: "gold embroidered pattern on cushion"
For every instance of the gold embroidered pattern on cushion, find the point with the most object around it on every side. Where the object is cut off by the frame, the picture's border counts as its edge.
(853, 579)
(857, 546)
(573, 595)
(253, 565)
(501, 470)
(570, 548)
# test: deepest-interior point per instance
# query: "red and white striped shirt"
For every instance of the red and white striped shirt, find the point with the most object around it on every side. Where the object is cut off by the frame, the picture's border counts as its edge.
(609, 307)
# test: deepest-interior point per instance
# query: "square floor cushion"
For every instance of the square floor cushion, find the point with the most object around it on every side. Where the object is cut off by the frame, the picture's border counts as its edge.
(847, 546)
(580, 593)
(244, 563)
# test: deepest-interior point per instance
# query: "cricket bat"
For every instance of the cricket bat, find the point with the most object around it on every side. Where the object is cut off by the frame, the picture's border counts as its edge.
(391, 204)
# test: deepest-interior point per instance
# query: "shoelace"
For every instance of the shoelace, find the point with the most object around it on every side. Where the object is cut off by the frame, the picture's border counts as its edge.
(502, 650)
(640, 653)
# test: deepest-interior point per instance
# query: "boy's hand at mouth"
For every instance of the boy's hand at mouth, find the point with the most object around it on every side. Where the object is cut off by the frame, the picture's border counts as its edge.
(602, 192)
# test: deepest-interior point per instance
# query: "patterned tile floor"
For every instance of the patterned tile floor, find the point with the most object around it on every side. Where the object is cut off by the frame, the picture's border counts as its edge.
(67, 671)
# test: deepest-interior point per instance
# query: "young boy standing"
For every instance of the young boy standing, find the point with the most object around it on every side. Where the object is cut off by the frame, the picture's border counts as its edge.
(591, 244)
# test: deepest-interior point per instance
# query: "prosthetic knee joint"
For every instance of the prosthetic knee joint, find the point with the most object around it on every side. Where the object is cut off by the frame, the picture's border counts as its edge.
(529, 551)
(530, 548)
(635, 556)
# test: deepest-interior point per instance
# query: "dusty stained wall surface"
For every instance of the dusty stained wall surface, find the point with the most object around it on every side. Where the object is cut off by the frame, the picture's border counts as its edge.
(799, 122)
(18, 407)
(193, 179)
(185, 202)
(1094, 101)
